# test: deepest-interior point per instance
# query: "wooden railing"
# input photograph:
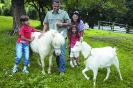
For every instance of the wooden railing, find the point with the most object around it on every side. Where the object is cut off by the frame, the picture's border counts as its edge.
(128, 29)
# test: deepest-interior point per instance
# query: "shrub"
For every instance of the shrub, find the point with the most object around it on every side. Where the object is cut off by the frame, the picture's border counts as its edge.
(7, 11)
(32, 13)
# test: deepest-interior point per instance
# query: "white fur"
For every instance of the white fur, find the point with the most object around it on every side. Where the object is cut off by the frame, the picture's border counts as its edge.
(45, 46)
(97, 58)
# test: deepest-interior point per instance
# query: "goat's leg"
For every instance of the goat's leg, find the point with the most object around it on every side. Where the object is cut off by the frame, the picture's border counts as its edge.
(50, 64)
(83, 72)
(107, 75)
(94, 77)
(38, 60)
(116, 63)
(43, 64)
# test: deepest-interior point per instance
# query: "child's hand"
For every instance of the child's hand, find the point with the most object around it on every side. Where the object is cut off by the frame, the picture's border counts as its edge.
(32, 38)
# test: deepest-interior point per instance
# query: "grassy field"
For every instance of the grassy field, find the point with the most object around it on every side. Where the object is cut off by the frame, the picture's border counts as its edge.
(73, 77)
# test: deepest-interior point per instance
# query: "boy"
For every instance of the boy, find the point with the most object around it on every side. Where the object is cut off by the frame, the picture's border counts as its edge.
(22, 44)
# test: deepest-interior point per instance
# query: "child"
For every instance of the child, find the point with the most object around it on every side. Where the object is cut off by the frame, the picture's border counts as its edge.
(74, 37)
(22, 44)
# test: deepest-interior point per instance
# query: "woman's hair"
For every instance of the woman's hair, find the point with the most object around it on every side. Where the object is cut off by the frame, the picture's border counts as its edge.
(77, 13)
(74, 26)
(24, 18)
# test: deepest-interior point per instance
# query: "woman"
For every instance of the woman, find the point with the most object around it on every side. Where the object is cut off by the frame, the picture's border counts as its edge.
(75, 20)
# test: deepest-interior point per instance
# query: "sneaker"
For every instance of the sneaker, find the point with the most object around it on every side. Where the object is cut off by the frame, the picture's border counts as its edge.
(78, 63)
(74, 62)
(61, 73)
(15, 69)
(71, 64)
(25, 71)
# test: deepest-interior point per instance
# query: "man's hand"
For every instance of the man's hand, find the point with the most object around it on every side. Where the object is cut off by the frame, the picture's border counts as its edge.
(40, 36)
(59, 24)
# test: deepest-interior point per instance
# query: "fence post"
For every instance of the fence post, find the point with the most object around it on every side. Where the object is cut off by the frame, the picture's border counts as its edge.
(112, 27)
(99, 25)
(127, 29)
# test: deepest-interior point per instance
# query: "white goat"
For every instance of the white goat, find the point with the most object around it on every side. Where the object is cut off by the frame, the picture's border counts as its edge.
(50, 42)
(97, 58)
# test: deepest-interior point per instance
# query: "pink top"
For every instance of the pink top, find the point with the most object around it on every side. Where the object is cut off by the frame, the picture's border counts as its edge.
(26, 31)
(74, 39)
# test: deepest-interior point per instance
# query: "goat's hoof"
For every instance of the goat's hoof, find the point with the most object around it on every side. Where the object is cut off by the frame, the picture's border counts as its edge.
(121, 79)
(87, 78)
(104, 79)
(49, 72)
(43, 73)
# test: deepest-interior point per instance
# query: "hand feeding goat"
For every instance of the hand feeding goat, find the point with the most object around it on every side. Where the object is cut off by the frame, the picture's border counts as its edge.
(97, 58)
(51, 41)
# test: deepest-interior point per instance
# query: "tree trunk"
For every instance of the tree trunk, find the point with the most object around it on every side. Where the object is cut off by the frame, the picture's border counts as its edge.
(17, 11)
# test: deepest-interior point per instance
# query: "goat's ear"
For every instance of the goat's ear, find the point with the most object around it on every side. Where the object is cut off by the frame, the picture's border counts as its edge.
(81, 39)
(62, 33)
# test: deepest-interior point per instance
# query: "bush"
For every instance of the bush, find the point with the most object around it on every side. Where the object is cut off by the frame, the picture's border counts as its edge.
(7, 11)
(2, 1)
(32, 13)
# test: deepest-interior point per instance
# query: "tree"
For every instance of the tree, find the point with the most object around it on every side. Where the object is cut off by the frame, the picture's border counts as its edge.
(40, 6)
(17, 11)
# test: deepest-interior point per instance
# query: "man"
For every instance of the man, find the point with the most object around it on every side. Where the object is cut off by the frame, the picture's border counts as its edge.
(58, 19)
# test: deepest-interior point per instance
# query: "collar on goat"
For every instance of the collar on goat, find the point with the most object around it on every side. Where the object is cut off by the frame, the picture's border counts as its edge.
(54, 47)
(88, 55)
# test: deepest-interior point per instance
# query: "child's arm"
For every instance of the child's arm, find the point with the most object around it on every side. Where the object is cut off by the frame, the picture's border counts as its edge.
(38, 30)
(25, 39)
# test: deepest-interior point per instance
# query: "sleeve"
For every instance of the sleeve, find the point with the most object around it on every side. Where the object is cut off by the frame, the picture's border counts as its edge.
(68, 27)
(21, 31)
(33, 30)
(66, 18)
(81, 25)
(46, 18)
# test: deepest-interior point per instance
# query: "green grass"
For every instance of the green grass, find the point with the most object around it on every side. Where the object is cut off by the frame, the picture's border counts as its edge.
(73, 77)
(1, 5)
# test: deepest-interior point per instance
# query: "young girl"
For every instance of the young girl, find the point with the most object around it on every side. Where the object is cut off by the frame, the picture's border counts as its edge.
(74, 37)
(75, 20)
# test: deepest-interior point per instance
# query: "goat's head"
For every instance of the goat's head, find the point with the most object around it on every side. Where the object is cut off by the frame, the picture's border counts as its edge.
(57, 42)
(77, 47)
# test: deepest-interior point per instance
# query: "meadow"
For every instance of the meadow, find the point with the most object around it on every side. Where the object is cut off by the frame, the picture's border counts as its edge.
(73, 77)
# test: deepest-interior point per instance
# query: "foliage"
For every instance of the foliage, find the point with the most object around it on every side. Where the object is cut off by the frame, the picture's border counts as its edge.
(7, 11)
(127, 18)
(31, 11)
(73, 77)
(6, 8)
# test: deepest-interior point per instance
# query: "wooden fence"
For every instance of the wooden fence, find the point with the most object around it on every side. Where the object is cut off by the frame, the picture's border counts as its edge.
(128, 29)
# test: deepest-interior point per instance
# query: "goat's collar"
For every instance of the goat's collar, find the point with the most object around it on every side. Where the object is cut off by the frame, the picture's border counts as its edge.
(88, 55)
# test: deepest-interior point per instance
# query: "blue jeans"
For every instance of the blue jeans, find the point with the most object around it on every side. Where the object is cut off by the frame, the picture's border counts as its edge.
(61, 60)
(22, 48)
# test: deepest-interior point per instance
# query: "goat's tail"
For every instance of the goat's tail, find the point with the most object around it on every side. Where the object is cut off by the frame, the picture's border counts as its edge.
(115, 50)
